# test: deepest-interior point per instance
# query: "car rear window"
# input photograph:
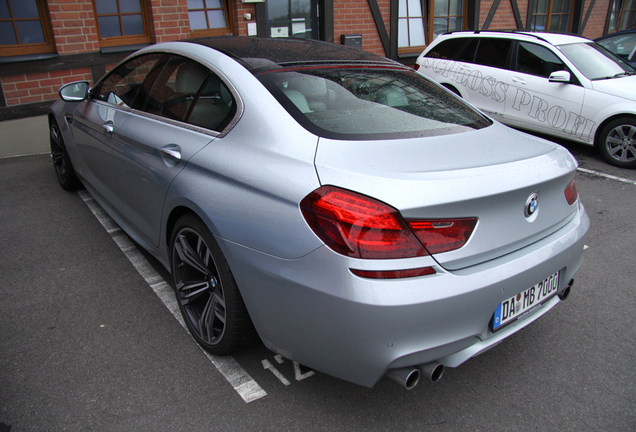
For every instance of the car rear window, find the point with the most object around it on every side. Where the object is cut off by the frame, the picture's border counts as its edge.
(365, 103)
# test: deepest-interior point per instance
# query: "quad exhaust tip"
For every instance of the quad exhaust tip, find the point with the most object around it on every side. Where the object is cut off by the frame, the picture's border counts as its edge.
(408, 377)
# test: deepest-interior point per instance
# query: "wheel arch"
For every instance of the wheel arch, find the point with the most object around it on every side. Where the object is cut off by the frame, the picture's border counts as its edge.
(176, 214)
(453, 89)
(608, 120)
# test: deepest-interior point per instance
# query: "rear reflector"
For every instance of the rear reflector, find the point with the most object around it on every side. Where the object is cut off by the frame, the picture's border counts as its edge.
(394, 274)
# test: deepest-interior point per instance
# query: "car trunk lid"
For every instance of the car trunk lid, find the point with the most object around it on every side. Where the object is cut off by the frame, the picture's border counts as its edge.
(490, 174)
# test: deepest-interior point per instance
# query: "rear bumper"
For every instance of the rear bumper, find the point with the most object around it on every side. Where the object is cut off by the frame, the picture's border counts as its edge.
(313, 310)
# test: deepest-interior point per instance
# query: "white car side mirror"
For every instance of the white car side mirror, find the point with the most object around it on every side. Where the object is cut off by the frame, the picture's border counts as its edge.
(560, 77)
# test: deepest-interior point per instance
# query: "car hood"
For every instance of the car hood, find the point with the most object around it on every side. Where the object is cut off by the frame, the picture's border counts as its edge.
(488, 173)
(624, 87)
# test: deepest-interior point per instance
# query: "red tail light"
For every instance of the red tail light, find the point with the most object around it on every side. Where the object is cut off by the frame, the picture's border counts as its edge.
(443, 235)
(362, 227)
(394, 274)
(358, 226)
(571, 193)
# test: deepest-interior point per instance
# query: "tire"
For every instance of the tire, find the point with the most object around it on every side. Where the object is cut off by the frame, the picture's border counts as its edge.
(61, 162)
(617, 142)
(208, 297)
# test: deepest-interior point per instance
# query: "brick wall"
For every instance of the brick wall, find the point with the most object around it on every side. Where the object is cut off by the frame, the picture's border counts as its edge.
(354, 17)
(73, 25)
(596, 23)
(39, 86)
(240, 9)
(504, 17)
(169, 20)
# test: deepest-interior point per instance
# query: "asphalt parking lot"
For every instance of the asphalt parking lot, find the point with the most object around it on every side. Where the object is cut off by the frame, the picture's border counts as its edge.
(89, 341)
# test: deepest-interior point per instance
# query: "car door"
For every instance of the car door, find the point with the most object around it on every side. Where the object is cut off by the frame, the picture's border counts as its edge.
(96, 123)
(182, 111)
(537, 104)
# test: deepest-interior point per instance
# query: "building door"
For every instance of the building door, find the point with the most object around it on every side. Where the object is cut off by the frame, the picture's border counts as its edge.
(292, 18)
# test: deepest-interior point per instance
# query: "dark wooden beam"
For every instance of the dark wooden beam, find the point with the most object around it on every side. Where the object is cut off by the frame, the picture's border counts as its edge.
(379, 24)
(491, 14)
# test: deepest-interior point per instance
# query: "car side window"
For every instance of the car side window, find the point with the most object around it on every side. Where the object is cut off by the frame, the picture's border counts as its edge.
(493, 52)
(537, 60)
(184, 90)
(449, 49)
(121, 86)
(215, 107)
(173, 88)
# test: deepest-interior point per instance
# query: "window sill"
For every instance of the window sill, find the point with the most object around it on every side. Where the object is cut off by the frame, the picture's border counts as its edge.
(123, 48)
(28, 57)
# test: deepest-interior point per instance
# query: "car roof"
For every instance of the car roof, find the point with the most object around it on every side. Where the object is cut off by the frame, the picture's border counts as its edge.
(551, 38)
(265, 54)
(618, 33)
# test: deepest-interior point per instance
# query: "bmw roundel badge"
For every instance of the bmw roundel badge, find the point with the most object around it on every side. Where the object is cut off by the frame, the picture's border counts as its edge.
(532, 204)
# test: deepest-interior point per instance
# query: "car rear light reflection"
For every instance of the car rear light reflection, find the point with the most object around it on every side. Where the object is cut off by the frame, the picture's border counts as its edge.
(571, 193)
(443, 235)
(394, 274)
(358, 226)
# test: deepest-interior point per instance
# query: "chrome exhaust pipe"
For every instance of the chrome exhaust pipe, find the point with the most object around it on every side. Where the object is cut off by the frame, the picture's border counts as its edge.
(407, 377)
(566, 292)
(432, 371)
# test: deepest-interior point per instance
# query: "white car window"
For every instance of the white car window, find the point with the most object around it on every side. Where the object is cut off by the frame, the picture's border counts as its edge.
(537, 60)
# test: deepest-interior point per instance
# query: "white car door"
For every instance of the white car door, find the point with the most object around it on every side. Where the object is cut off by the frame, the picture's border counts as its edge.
(536, 104)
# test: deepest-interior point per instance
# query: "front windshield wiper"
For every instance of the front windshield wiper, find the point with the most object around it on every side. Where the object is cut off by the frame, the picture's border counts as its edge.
(618, 75)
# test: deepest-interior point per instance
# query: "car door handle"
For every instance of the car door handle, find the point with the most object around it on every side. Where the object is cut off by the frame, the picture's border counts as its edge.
(518, 80)
(171, 154)
(109, 127)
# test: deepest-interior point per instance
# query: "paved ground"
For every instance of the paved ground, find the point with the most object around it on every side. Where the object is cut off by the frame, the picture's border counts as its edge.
(24, 136)
(86, 344)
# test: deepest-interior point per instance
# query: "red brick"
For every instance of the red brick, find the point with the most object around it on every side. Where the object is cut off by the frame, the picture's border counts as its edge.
(16, 94)
(27, 85)
(51, 82)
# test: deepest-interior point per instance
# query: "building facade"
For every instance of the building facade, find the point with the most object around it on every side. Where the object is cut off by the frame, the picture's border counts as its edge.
(46, 43)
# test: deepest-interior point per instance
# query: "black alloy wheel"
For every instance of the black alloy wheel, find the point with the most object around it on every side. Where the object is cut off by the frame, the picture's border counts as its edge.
(206, 291)
(61, 162)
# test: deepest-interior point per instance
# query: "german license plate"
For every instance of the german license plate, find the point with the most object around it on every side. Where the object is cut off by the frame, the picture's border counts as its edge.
(517, 306)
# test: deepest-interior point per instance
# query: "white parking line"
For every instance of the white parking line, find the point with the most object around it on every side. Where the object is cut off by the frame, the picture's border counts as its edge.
(608, 176)
(240, 380)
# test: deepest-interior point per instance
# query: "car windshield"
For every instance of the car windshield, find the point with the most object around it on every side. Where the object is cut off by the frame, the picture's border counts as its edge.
(595, 62)
(362, 103)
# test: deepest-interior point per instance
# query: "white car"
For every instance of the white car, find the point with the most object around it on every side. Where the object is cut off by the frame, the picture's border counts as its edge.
(561, 85)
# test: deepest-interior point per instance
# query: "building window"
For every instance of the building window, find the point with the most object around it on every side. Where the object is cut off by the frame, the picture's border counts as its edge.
(292, 18)
(411, 31)
(122, 22)
(552, 16)
(24, 28)
(622, 15)
(210, 17)
(448, 15)
(416, 30)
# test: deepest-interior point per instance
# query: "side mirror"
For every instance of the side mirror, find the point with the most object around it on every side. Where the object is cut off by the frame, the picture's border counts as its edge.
(74, 92)
(560, 77)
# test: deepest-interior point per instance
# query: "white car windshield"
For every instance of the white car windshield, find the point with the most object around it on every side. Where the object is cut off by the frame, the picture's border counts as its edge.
(595, 62)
